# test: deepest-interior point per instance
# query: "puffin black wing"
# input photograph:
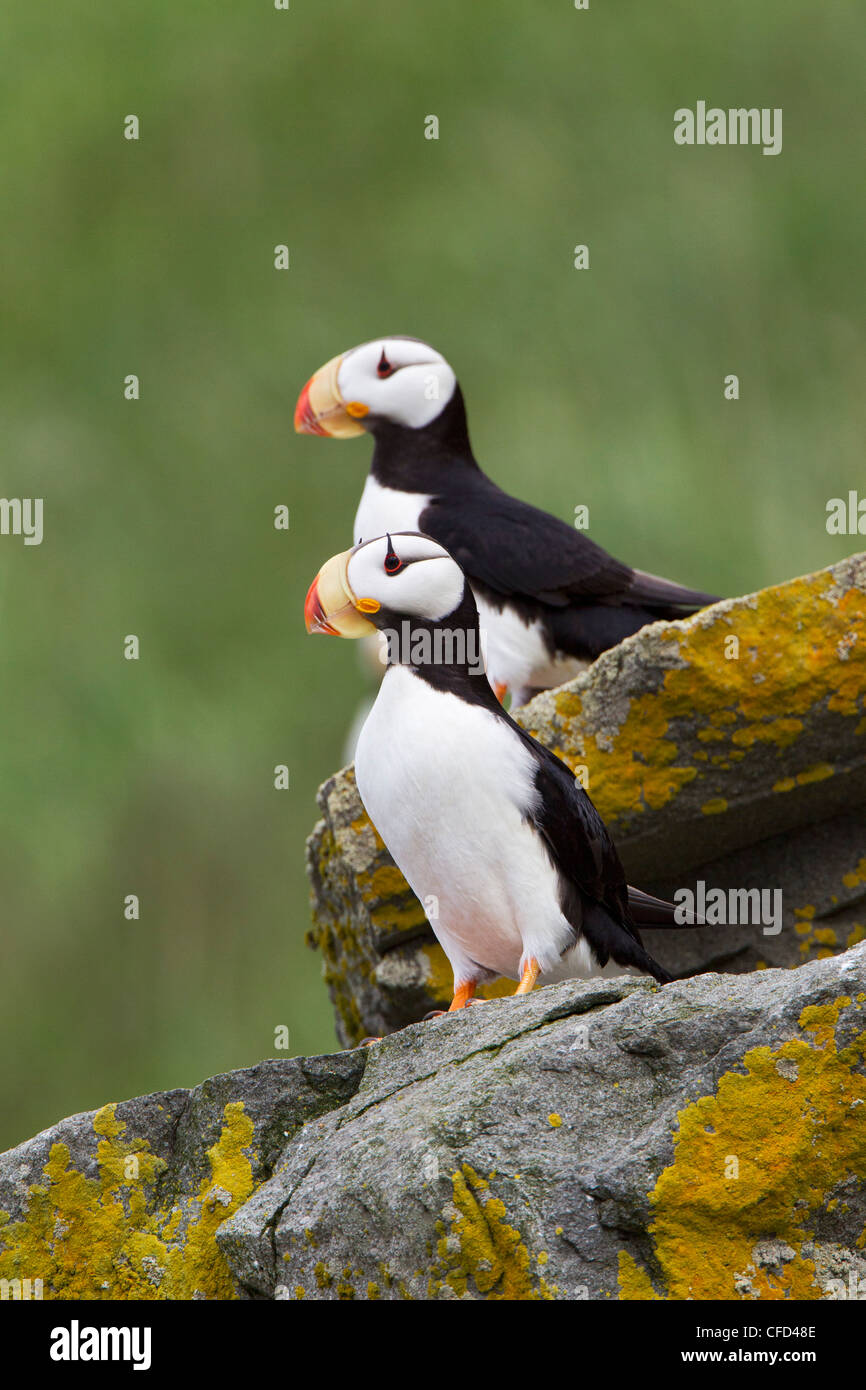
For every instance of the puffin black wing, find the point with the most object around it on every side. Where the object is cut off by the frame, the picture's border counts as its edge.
(516, 549)
(594, 895)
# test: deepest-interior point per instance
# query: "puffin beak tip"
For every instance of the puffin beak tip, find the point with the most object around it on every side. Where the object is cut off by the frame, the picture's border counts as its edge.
(306, 420)
(314, 613)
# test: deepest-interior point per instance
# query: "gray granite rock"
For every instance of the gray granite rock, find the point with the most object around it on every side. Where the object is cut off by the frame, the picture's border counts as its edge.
(587, 1141)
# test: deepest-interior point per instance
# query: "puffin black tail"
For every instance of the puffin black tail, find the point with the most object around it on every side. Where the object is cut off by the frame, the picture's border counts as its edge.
(651, 912)
(659, 593)
(611, 940)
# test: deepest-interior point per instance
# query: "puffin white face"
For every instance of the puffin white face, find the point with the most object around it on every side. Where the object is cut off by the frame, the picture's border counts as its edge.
(401, 380)
(407, 575)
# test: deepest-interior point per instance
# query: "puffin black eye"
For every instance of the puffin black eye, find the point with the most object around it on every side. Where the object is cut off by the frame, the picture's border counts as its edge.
(384, 368)
(393, 563)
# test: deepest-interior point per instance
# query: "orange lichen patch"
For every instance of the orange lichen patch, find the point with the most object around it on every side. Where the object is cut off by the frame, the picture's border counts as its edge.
(755, 1161)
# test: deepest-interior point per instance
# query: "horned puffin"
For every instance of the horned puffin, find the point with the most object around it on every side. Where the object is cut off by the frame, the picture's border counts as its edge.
(549, 598)
(497, 839)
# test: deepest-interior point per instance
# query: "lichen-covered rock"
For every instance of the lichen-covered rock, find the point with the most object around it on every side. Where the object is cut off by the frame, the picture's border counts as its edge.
(727, 748)
(591, 1140)
(125, 1202)
(744, 721)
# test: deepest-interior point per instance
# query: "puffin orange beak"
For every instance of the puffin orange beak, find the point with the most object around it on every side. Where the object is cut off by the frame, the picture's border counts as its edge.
(322, 410)
(331, 608)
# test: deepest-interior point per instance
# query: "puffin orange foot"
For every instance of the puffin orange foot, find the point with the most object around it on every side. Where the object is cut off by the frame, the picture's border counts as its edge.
(531, 972)
(368, 1042)
(463, 993)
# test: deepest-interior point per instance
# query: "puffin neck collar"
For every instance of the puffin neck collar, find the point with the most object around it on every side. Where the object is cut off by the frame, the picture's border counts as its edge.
(418, 459)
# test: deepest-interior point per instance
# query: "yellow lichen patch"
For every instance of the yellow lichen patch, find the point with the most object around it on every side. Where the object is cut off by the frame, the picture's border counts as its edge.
(856, 876)
(856, 934)
(501, 988)
(753, 1162)
(715, 807)
(569, 705)
(440, 978)
(818, 773)
(782, 732)
(382, 882)
(634, 1282)
(363, 823)
(482, 1249)
(554, 1120)
(198, 1266)
(784, 638)
(823, 939)
(104, 1237)
(389, 916)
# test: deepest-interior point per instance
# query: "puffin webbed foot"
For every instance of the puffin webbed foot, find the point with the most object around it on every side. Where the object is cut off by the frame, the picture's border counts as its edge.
(531, 972)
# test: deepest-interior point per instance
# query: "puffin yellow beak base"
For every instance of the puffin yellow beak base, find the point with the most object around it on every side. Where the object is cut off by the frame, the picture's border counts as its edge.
(331, 607)
(322, 410)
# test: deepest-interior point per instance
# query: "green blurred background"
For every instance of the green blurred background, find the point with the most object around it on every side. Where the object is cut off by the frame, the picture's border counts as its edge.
(602, 387)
